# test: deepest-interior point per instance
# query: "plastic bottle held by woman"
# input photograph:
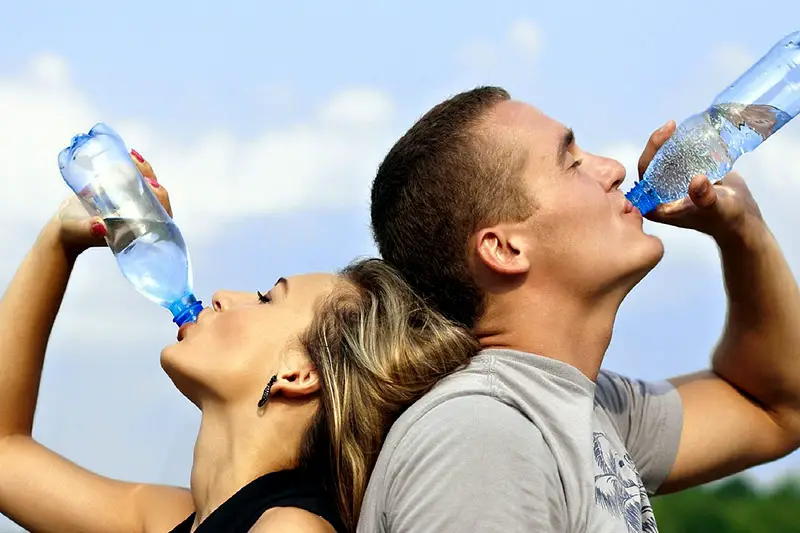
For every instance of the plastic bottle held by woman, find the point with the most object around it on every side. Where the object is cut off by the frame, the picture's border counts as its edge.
(148, 246)
(748, 112)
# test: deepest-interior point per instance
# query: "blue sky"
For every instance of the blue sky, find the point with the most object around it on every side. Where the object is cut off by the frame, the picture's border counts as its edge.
(265, 120)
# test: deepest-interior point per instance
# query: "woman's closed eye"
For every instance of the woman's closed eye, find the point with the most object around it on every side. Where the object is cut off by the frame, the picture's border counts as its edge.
(263, 298)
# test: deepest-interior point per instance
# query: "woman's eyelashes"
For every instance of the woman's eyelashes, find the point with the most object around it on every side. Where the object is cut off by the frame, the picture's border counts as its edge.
(263, 298)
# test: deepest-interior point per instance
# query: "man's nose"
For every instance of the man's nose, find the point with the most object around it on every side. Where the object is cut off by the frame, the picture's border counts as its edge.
(612, 173)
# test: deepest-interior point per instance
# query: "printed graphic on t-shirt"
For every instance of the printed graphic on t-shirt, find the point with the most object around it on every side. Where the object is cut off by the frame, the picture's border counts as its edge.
(618, 489)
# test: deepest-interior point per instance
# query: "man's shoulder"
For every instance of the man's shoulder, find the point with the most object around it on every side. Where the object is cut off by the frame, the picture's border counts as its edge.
(455, 425)
(487, 394)
(469, 390)
(466, 413)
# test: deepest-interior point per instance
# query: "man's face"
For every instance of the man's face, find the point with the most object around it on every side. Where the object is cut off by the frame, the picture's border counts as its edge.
(583, 235)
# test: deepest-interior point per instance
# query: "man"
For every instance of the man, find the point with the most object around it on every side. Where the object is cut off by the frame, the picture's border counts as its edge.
(498, 218)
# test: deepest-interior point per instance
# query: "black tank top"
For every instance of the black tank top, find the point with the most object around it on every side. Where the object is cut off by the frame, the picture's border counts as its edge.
(287, 488)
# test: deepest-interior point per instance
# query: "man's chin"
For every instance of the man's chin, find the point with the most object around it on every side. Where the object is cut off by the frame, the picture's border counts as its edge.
(648, 256)
(649, 249)
(657, 250)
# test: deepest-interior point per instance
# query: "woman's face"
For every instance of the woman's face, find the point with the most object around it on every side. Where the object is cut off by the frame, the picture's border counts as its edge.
(234, 348)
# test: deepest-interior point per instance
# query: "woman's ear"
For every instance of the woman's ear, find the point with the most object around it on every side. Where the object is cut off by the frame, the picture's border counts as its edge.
(297, 382)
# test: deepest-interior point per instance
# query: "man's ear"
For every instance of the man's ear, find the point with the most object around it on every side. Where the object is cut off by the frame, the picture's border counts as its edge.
(502, 249)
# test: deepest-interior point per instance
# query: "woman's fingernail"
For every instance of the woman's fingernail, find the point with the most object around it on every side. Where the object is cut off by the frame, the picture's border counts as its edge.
(703, 188)
(137, 155)
(98, 230)
(153, 183)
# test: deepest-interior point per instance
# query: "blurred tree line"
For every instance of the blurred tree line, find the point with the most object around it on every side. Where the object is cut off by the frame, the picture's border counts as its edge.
(733, 505)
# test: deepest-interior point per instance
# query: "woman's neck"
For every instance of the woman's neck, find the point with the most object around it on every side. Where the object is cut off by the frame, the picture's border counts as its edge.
(234, 448)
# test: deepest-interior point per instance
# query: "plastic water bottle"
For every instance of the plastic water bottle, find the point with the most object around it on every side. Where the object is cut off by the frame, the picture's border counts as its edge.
(743, 116)
(148, 246)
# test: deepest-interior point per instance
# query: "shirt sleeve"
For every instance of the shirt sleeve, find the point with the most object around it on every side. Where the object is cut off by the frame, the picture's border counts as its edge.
(473, 464)
(649, 418)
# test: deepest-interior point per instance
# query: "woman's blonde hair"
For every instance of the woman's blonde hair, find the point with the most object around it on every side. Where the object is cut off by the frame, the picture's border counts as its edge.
(377, 348)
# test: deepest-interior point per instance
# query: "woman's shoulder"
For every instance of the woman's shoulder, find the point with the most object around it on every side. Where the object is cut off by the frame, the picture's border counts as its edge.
(291, 520)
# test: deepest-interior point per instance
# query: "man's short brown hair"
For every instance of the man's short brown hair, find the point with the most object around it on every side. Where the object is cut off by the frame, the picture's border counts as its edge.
(442, 181)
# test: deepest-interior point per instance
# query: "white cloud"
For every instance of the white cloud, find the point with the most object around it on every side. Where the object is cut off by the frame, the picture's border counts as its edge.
(525, 37)
(325, 160)
(359, 107)
(519, 46)
(50, 69)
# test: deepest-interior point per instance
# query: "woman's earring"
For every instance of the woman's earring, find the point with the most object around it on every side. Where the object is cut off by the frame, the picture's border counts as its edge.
(265, 397)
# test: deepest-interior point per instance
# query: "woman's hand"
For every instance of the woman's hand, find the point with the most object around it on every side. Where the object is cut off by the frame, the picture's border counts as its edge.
(78, 231)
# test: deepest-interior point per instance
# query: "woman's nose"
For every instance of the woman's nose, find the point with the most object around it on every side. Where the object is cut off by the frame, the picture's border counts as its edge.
(224, 300)
(218, 301)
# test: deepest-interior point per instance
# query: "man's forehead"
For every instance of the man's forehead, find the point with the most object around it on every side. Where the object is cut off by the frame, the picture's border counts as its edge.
(529, 125)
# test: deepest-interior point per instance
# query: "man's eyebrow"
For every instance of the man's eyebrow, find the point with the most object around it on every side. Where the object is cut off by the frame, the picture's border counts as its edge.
(563, 147)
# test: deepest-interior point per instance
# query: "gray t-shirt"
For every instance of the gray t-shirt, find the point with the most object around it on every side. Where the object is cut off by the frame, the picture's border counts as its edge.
(521, 443)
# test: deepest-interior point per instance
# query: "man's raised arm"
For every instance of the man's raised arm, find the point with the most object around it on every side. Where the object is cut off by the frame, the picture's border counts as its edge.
(744, 410)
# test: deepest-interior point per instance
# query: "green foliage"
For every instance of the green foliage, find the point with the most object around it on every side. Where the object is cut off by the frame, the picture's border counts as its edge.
(734, 505)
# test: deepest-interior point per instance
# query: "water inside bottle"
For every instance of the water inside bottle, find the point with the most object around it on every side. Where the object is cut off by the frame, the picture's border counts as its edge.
(745, 127)
(709, 143)
(152, 256)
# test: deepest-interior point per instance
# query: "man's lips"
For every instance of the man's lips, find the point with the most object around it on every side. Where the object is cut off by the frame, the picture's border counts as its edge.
(628, 206)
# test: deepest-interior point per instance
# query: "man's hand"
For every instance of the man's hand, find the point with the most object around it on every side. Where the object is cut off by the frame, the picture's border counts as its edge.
(724, 209)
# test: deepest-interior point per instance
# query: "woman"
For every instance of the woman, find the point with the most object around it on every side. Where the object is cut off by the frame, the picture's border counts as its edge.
(297, 389)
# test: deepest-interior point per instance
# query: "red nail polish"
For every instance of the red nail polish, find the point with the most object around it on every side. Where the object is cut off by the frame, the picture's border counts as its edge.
(153, 183)
(98, 230)
(137, 155)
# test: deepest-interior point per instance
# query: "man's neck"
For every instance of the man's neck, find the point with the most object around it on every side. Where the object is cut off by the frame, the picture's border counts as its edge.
(232, 450)
(551, 324)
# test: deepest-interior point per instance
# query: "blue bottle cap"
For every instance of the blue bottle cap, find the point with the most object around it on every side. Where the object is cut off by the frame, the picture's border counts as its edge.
(643, 197)
(187, 309)
(189, 314)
